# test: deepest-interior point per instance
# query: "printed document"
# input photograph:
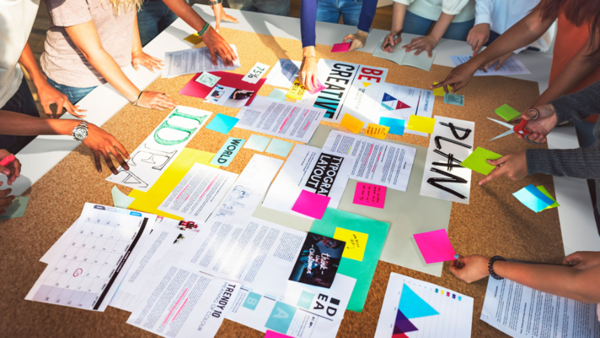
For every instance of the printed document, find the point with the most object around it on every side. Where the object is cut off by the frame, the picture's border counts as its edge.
(195, 60)
(400, 102)
(512, 66)
(284, 73)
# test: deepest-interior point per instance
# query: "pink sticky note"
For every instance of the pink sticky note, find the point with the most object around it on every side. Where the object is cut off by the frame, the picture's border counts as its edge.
(273, 334)
(319, 88)
(371, 195)
(435, 246)
(311, 204)
(340, 47)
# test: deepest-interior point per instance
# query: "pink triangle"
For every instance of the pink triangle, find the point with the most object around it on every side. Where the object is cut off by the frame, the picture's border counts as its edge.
(401, 105)
(399, 335)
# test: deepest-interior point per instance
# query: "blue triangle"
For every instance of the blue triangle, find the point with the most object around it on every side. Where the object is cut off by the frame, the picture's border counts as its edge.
(388, 97)
(413, 306)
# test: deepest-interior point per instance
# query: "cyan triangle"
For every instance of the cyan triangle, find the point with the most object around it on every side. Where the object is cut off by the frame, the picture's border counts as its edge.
(384, 105)
(388, 97)
(413, 306)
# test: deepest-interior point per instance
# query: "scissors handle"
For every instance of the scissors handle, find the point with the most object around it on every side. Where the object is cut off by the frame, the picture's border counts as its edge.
(520, 128)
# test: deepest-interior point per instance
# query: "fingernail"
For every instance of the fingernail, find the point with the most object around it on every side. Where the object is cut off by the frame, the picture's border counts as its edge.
(6, 172)
(456, 256)
(99, 170)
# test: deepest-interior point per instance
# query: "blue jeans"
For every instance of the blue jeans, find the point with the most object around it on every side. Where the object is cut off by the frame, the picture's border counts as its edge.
(22, 102)
(414, 24)
(331, 10)
(74, 94)
(275, 7)
(153, 17)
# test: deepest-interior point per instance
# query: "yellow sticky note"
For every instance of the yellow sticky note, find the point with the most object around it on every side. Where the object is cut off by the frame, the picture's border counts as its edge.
(193, 39)
(439, 91)
(356, 242)
(421, 123)
(545, 192)
(377, 131)
(150, 201)
(352, 123)
(297, 91)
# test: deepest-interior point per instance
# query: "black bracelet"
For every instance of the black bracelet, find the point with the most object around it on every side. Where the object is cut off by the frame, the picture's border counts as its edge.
(491, 267)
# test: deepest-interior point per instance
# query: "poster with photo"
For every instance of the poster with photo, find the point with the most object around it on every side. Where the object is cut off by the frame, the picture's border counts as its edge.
(228, 96)
(318, 261)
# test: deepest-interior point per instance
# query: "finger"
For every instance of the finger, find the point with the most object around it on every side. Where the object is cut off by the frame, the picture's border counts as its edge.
(499, 171)
(429, 52)
(17, 168)
(118, 157)
(499, 161)
(136, 65)
(97, 161)
(5, 192)
(123, 151)
(500, 62)
(4, 170)
(5, 202)
(347, 37)
(48, 111)
(110, 163)
(213, 56)
(478, 46)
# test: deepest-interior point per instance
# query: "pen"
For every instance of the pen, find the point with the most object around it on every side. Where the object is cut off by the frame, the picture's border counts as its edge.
(7, 160)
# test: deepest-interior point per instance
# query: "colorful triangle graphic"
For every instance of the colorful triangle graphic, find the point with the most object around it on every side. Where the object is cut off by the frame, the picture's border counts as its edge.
(403, 325)
(366, 84)
(413, 306)
(401, 105)
(399, 335)
(388, 97)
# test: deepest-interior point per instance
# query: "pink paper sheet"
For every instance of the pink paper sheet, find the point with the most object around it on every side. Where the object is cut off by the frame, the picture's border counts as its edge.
(311, 204)
(435, 246)
(340, 47)
(273, 334)
(371, 195)
(233, 80)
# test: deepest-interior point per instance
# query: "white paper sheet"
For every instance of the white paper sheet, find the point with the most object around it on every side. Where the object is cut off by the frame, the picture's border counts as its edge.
(304, 310)
(284, 119)
(195, 60)
(60, 243)
(255, 73)
(459, 152)
(260, 254)
(198, 193)
(399, 102)
(248, 191)
(520, 311)
(185, 303)
(431, 311)
(160, 148)
(284, 73)
(378, 162)
(311, 169)
(512, 66)
(87, 270)
(362, 96)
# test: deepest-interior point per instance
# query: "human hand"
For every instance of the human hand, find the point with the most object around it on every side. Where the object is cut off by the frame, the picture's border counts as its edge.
(542, 126)
(218, 47)
(471, 268)
(582, 259)
(513, 166)
(103, 143)
(309, 73)
(5, 199)
(221, 15)
(478, 36)
(457, 79)
(392, 39)
(500, 61)
(359, 40)
(49, 95)
(155, 100)
(12, 170)
(427, 43)
(139, 58)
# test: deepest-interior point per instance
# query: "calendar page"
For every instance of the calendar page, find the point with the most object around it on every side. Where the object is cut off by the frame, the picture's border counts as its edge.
(88, 268)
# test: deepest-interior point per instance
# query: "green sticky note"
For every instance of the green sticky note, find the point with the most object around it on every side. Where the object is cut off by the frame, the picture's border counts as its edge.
(277, 95)
(257, 142)
(120, 200)
(507, 112)
(363, 270)
(477, 161)
(279, 147)
(545, 192)
(16, 208)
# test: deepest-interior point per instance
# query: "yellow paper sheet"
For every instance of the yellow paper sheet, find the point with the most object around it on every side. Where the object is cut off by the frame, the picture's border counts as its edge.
(421, 123)
(439, 91)
(356, 242)
(151, 200)
(352, 123)
(377, 131)
(193, 39)
(297, 91)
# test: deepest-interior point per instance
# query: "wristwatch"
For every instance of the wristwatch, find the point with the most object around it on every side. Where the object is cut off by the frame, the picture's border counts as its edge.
(81, 131)
(215, 2)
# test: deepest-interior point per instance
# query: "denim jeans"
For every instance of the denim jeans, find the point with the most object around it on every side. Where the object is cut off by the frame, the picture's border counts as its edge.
(74, 94)
(331, 10)
(22, 102)
(153, 17)
(275, 7)
(414, 24)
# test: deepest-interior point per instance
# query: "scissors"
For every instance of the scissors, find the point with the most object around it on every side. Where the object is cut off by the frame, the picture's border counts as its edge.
(518, 129)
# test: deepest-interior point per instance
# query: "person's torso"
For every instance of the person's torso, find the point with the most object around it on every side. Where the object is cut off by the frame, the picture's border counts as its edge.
(432, 9)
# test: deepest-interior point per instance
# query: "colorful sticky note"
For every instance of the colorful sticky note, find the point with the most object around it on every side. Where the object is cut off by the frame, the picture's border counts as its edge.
(120, 200)
(319, 88)
(455, 99)
(340, 47)
(352, 123)
(296, 91)
(279, 147)
(311, 204)
(277, 95)
(477, 161)
(208, 79)
(273, 334)
(377, 131)
(371, 195)
(194, 39)
(396, 125)
(533, 198)
(222, 123)
(435, 246)
(227, 152)
(421, 123)
(438, 91)
(16, 208)
(545, 192)
(507, 112)
(257, 142)
(356, 243)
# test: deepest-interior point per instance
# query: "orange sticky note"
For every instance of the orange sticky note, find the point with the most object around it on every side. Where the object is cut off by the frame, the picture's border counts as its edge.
(352, 123)
(297, 91)
(421, 123)
(377, 131)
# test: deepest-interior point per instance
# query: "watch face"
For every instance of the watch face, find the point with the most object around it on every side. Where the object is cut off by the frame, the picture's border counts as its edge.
(80, 133)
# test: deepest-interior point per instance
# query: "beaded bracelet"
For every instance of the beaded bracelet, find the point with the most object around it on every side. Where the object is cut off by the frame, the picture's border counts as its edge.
(491, 267)
(204, 29)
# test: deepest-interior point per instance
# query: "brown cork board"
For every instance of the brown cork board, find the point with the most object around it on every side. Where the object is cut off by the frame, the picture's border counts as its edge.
(494, 222)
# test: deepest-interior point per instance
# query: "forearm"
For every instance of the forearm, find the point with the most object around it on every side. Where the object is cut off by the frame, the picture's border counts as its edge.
(28, 61)
(137, 42)
(579, 105)
(186, 13)
(563, 281)
(579, 163)
(440, 27)
(367, 13)
(399, 12)
(308, 20)
(113, 74)
(25, 125)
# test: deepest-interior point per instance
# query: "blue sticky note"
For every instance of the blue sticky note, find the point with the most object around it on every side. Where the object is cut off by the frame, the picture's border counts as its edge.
(533, 198)
(252, 301)
(396, 125)
(222, 123)
(227, 152)
(278, 95)
(257, 142)
(279, 147)
(281, 317)
(17, 208)
(305, 300)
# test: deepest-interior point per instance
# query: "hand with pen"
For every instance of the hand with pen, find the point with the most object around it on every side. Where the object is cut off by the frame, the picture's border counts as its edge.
(392, 39)
(11, 167)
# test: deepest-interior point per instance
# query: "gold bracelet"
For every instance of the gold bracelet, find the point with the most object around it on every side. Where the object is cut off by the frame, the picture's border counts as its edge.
(310, 56)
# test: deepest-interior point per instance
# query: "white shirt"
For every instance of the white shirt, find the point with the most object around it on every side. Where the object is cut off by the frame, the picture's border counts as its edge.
(16, 21)
(503, 14)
